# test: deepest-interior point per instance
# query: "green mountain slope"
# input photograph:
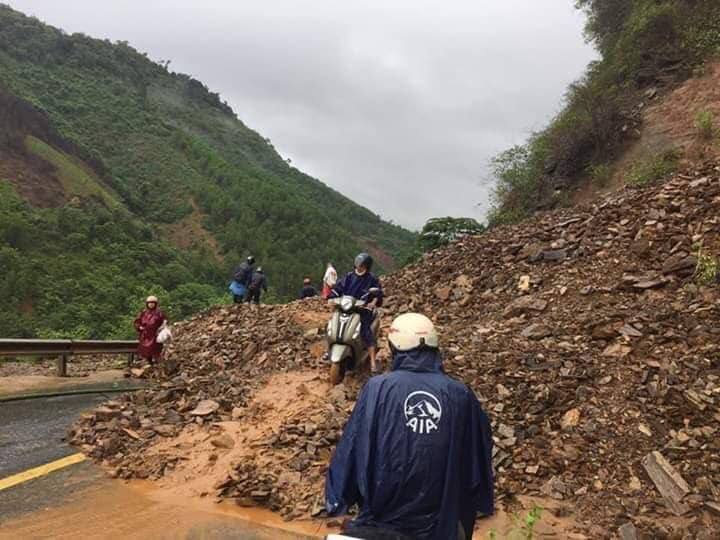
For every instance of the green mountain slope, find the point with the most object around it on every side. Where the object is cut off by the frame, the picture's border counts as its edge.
(647, 47)
(106, 156)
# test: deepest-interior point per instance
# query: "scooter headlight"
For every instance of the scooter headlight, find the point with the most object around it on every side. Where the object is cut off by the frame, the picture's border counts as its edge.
(346, 303)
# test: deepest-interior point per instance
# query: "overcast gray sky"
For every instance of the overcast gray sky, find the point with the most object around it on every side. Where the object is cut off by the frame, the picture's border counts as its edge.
(398, 104)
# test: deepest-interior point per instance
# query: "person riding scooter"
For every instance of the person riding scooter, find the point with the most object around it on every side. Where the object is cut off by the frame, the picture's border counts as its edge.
(358, 284)
(415, 454)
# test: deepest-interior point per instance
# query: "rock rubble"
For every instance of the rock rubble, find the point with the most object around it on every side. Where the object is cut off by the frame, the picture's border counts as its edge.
(583, 331)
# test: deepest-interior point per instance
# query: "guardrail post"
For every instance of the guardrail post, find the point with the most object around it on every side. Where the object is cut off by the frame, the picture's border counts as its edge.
(62, 365)
(131, 359)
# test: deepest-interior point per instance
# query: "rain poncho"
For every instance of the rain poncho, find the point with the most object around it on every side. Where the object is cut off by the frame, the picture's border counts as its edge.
(415, 454)
(148, 324)
(356, 285)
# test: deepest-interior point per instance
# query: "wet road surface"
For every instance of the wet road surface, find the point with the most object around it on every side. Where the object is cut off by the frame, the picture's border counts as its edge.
(32, 431)
(80, 501)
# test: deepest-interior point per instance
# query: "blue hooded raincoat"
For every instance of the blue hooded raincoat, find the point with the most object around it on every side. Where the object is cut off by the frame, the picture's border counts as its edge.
(415, 454)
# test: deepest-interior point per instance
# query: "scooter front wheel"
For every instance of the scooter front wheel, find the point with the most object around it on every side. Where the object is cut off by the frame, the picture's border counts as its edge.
(337, 373)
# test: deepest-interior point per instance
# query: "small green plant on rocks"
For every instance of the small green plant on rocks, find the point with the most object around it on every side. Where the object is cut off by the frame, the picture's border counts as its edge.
(705, 125)
(524, 528)
(707, 270)
(532, 519)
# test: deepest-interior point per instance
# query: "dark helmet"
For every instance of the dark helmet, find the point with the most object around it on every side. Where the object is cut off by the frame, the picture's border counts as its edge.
(251, 260)
(364, 260)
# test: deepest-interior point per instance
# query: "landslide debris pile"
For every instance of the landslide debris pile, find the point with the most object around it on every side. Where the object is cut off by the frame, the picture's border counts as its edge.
(586, 333)
(592, 346)
(210, 372)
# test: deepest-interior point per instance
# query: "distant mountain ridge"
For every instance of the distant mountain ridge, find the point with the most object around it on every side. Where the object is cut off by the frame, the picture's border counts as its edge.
(108, 159)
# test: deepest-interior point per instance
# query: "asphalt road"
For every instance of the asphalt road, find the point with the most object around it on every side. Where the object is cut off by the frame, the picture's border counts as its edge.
(32, 431)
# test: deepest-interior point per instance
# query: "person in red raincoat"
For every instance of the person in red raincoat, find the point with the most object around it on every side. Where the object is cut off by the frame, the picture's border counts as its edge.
(148, 324)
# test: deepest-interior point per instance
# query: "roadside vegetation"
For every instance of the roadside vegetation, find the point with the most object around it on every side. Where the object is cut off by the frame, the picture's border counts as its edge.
(645, 46)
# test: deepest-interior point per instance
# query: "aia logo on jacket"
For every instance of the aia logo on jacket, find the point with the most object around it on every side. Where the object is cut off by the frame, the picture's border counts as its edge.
(422, 412)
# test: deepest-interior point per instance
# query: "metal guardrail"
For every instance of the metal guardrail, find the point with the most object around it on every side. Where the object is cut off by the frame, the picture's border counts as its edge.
(63, 348)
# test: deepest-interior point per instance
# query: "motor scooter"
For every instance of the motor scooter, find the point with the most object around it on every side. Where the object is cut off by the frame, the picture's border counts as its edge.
(346, 350)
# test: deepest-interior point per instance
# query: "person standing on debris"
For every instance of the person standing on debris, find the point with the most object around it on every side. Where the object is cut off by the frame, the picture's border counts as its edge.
(148, 324)
(415, 454)
(329, 280)
(258, 283)
(308, 291)
(359, 283)
(241, 279)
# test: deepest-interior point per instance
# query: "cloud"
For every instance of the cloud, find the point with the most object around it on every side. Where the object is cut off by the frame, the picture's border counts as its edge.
(400, 105)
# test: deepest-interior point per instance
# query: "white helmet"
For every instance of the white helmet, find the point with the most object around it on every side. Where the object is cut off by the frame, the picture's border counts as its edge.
(151, 300)
(412, 330)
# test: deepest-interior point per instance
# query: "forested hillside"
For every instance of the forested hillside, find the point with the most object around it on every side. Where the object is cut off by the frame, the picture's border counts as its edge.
(647, 48)
(119, 178)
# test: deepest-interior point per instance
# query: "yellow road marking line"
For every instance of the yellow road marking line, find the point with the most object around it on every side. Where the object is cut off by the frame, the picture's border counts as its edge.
(42, 470)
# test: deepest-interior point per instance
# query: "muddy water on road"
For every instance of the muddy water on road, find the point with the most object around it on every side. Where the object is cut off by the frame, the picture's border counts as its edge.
(137, 510)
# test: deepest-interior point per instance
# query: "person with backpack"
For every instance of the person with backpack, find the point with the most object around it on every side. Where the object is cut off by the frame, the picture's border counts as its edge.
(241, 280)
(416, 453)
(258, 283)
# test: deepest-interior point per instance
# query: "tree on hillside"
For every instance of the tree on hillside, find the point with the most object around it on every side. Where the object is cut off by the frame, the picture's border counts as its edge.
(605, 18)
(441, 231)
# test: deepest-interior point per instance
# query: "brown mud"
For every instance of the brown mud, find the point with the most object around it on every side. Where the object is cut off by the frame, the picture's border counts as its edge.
(138, 510)
(142, 509)
(204, 456)
(26, 384)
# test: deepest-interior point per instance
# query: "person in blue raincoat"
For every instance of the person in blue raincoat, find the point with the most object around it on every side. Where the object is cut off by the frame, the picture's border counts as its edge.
(358, 284)
(415, 455)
